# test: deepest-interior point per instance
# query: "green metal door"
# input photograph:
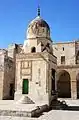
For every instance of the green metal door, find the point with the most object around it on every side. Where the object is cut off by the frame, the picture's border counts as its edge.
(25, 86)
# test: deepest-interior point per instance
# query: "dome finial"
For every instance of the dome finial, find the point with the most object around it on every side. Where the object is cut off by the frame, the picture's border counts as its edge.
(38, 9)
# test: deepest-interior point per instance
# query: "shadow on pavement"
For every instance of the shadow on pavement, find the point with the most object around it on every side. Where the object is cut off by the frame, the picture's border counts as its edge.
(57, 105)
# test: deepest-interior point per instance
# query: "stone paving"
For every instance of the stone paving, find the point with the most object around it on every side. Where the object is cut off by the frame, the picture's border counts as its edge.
(15, 118)
(60, 115)
(51, 115)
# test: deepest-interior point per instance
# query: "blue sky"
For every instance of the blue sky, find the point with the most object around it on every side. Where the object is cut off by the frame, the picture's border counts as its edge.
(61, 15)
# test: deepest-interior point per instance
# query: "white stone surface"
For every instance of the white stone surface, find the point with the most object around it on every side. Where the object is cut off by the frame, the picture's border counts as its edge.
(52, 115)
(39, 83)
(60, 115)
(15, 105)
(69, 52)
(11, 105)
(15, 118)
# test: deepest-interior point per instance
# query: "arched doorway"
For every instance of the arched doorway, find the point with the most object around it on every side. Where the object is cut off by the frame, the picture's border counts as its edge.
(11, 92)
(63, 85)
(33, 49)
(77, 78)
(77, 58)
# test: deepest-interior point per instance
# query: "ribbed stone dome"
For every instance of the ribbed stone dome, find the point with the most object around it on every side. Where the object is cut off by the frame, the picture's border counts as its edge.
(39, 21)
(38, 28)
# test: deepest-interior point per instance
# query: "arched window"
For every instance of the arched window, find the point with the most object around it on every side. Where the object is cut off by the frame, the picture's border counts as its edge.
(48, 45)
(33, 49)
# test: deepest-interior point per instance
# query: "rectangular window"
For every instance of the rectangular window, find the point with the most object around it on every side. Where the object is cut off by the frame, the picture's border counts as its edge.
(62, 59)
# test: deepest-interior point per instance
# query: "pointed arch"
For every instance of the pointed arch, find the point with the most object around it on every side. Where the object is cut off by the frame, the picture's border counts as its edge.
(63, 84)
(77, 79)
(33, 49)
(77, 58)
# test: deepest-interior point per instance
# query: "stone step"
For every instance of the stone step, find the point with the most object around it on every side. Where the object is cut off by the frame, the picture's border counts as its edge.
(25, 100)
(20, 113)
(15, 113)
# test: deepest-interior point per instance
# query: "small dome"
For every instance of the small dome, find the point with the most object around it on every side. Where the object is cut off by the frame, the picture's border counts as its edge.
(38, 28)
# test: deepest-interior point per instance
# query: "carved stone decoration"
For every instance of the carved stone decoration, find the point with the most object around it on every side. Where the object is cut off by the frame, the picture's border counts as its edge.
(39, 76)
(26, 71)
(38, 28)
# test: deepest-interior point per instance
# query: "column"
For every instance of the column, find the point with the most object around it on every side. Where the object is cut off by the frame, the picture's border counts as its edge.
(73, 85)
(73, 89)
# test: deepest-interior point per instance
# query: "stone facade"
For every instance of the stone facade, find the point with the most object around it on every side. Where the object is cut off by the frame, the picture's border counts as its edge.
(68, 68)
(6, 76)
(36, 67)
(7, 71)
(67, 50)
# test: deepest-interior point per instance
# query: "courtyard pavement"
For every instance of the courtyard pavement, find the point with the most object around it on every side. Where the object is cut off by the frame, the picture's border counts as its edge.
(51, 115)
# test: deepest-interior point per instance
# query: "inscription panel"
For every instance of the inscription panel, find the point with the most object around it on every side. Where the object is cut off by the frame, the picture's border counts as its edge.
(26, 71)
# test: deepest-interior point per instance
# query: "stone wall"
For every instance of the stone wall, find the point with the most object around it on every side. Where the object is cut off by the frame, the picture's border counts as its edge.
(73, 72)
(3, 54)
(9, 77)
(67, 50)
(41, 44)
(35, 68)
